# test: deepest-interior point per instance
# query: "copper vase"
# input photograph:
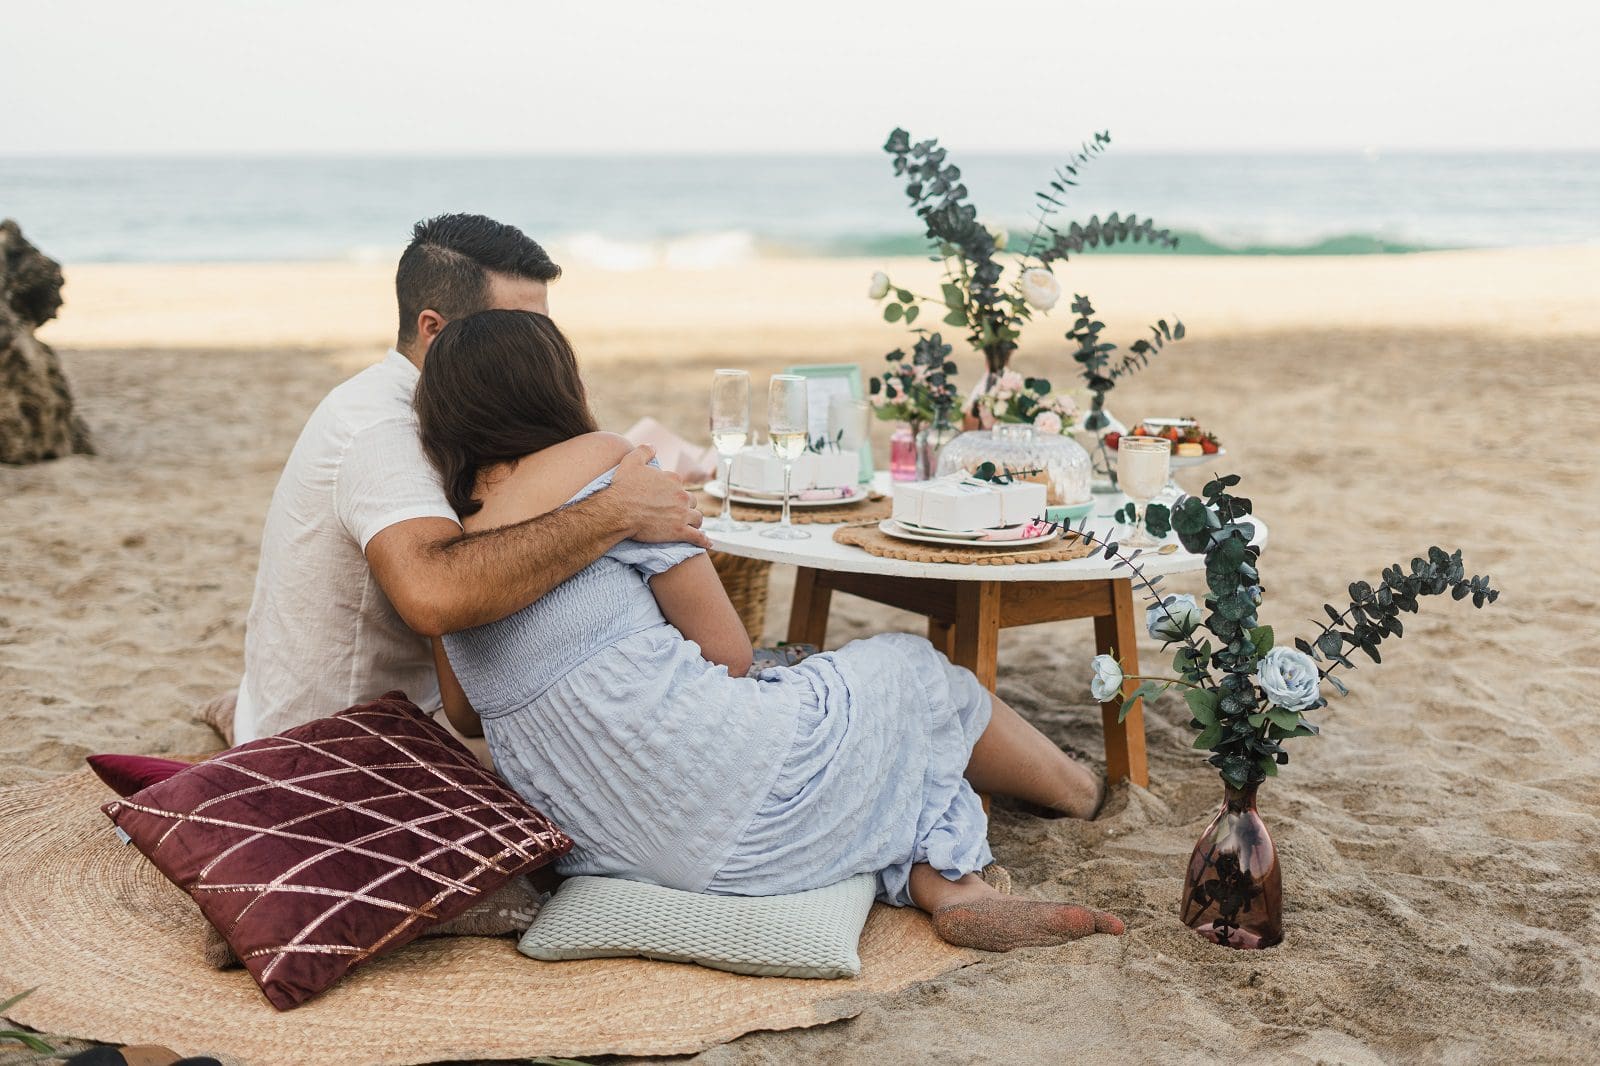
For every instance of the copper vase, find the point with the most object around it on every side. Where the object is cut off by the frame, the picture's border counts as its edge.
(1233, 894)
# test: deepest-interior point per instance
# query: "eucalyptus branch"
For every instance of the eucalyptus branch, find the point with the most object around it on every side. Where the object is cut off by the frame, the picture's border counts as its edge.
(1094, 233)
(1374, 615)
(1065, 177)
(1259, 693)
(1150, 587)
(1168, 681)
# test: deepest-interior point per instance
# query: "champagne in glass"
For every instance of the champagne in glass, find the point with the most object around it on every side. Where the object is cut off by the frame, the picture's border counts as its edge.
(730, 428)
(789, 446)
(788, 424)
(1143, 466)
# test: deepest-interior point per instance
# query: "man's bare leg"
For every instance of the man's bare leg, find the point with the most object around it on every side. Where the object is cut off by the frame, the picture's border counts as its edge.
(970, 913)
(1013, 758)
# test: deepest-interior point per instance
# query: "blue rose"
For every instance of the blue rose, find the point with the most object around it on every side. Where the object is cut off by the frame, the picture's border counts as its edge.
(1173, 618)
(1289, 678)
(1107, 681)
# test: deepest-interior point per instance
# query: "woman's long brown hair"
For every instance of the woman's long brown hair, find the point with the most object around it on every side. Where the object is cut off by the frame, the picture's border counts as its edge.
(496, 386)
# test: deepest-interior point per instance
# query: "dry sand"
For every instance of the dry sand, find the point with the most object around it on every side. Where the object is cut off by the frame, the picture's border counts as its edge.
(1440, 842)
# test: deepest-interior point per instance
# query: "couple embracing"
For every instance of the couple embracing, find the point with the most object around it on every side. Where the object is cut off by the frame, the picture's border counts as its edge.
(452, 523)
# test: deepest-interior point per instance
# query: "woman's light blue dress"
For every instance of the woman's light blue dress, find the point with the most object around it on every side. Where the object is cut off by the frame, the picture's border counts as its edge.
(663, 768)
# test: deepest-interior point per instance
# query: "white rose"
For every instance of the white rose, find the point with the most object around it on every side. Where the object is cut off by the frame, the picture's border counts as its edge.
(1174, 618)
(1039, 288)
(1289, 678)
(1000, 407)
(1001, 237)
(878, 288)
(1048, 423)
(1107, 681)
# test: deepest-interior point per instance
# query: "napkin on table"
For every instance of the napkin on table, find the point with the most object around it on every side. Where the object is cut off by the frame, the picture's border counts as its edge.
(689, 461)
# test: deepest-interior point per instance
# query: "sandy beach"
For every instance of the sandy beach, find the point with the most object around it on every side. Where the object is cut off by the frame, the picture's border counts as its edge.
(1441, 840)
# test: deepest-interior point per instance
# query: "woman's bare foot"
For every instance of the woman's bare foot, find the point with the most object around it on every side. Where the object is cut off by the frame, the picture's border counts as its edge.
(971, 912)
(1004, 923)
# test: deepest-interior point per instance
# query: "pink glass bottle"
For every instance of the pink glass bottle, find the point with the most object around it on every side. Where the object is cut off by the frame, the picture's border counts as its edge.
(1233, 895)
(903, 454)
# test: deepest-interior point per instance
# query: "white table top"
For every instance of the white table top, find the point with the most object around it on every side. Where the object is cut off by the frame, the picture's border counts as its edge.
(821, 552)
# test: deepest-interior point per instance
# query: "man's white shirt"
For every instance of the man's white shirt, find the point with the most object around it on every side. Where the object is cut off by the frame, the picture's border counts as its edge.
(321, 634)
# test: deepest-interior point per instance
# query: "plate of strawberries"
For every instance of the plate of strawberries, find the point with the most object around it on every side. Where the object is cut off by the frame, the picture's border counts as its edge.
(1191, 445)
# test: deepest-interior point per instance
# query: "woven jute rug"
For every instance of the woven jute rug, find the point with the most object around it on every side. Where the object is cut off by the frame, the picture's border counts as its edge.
(869, 538)
(877, 507)
(115, 951)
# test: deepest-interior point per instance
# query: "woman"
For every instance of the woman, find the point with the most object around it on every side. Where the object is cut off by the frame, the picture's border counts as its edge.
(618, 703)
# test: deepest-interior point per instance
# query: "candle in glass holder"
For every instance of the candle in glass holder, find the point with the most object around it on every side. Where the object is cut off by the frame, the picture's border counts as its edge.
(850, 423)
(1143, 464)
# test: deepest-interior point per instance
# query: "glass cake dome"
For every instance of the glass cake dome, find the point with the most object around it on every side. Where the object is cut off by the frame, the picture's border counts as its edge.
(1054, 458)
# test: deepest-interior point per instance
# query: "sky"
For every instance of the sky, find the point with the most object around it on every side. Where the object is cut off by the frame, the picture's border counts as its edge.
(624, 76)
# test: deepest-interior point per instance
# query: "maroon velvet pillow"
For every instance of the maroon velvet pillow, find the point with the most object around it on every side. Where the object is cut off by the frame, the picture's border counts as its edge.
(127, 774)
(337, 841)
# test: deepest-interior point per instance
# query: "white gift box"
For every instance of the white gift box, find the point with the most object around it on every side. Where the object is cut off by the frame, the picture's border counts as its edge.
(757, 469)
(960, 503)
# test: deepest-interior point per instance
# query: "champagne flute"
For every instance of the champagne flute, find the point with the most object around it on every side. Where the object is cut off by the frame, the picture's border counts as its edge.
(730, 428)
(789, 426)
(1143, 466)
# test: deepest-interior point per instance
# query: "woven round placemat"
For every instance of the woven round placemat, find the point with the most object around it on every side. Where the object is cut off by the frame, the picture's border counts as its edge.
(115, 952)
(870, 539)
(877, 507)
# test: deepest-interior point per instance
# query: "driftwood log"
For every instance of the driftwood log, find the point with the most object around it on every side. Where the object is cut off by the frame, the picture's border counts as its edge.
(37, 419)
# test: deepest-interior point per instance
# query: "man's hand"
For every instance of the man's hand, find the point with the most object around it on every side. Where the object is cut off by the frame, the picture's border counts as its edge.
(655, 505)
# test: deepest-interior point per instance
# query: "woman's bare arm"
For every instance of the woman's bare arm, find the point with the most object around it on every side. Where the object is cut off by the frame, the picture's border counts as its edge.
(441, 580)
(457, 707)
(690, 594)
(692, 598)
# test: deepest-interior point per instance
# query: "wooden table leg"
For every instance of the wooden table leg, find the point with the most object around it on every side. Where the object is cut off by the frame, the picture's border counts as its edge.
(976, 639)
(1117, 634)
(808, 614)
(939, 635)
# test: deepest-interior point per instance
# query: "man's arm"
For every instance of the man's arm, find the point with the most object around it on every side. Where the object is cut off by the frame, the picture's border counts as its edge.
(441, 580)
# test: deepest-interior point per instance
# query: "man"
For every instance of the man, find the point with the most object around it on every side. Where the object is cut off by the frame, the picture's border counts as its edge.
(362, 558)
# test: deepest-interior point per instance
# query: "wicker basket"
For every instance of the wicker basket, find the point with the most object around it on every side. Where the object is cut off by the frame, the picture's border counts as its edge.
(746, 583)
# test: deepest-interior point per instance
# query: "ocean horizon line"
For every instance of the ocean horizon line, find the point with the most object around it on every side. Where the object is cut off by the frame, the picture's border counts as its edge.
(1372, 152)
(386, 256)
(637, 210)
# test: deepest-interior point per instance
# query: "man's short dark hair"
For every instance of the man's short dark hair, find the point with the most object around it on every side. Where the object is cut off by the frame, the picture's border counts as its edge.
(446, 266)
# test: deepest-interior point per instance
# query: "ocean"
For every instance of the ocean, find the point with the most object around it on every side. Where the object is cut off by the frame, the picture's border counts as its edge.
(699, 211)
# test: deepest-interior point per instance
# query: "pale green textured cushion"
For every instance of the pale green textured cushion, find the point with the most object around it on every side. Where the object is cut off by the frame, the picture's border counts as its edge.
(807, 934)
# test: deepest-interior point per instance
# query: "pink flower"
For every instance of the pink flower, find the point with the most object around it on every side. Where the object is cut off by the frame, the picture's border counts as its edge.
(1010, 382)
(1048, 423)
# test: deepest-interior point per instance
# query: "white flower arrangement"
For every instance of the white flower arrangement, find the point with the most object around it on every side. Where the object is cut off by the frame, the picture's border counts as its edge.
(1014, 398)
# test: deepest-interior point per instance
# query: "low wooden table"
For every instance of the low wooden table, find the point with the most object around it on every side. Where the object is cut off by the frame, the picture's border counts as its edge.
(967, 605)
